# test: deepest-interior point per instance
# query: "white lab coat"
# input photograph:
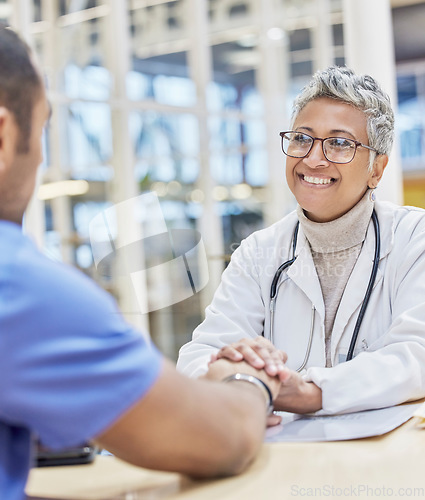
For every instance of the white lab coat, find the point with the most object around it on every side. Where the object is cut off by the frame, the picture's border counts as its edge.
(389, 363)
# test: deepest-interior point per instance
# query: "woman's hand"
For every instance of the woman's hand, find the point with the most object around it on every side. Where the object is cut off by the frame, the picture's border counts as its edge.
(296, 395)
(260, 353)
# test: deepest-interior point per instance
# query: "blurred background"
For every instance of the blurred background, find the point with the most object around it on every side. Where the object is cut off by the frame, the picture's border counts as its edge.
(186, 98)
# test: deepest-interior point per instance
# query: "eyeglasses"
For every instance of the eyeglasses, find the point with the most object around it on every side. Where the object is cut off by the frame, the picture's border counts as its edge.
(335, 149)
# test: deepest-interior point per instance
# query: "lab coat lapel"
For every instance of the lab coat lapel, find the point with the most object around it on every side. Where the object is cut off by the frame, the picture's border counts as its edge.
(303, 274)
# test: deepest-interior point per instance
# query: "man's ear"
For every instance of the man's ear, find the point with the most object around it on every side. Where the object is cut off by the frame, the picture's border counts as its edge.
(8, 137)
(379, 165)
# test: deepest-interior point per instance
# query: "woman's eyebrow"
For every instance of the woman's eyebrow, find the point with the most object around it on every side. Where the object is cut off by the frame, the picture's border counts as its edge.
(341, 131)
(305, 128)
(332, 132)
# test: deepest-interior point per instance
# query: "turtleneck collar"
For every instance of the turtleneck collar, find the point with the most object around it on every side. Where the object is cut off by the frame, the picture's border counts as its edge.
(345, 232)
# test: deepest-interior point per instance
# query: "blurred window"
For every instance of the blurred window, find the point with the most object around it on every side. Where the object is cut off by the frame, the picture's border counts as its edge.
(166, 146)
(410, 120)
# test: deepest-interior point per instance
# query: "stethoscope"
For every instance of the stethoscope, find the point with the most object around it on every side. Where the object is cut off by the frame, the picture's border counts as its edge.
(276, 285)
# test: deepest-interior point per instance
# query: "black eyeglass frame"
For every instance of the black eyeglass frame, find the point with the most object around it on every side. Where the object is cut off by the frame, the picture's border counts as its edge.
(356, 144)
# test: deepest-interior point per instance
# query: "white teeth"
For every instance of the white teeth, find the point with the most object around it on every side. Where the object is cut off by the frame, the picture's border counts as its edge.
(317, 180)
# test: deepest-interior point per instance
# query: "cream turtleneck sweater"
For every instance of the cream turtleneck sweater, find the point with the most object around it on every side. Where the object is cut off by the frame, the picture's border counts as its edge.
(335, 247)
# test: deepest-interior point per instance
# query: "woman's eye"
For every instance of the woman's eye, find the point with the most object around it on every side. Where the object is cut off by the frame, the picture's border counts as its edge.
(339, 143)
(301, 139)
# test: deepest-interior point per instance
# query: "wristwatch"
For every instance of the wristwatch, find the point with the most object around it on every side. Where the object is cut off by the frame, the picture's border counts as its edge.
(265, 389)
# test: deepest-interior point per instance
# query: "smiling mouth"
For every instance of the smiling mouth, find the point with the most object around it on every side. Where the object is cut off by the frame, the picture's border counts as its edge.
(317, 180)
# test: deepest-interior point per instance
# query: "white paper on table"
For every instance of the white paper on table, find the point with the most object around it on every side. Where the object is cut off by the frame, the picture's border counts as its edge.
(356, 425)
(420, 412)
(420, 415)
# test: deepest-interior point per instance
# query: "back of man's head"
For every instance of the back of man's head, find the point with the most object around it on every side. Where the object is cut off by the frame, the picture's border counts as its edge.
(20, 82)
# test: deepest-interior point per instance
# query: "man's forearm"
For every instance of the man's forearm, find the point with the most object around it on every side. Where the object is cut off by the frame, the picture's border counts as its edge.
(205, 428)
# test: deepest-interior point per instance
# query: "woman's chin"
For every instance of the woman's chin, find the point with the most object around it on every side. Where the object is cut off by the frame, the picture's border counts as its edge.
(320, 213)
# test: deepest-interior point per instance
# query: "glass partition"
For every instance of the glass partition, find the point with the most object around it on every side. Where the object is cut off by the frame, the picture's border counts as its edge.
(144, 102)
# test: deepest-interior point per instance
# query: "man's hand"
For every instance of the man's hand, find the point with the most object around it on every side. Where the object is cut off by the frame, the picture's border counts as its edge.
(222, 368)
(260, 353)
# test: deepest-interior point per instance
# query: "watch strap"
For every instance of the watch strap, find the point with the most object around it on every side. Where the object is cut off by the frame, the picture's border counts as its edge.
(265, 389)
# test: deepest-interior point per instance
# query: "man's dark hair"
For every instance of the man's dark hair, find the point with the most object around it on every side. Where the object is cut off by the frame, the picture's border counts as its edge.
(20, 84)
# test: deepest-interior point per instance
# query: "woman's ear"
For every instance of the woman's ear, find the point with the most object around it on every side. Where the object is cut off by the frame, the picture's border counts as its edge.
(379, 165)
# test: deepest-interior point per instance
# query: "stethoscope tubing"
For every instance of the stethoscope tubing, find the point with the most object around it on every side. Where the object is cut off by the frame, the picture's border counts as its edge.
(369, 289)
(285, 265)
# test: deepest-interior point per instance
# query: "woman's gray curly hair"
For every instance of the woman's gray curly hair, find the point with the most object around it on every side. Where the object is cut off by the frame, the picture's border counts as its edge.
(361, 91)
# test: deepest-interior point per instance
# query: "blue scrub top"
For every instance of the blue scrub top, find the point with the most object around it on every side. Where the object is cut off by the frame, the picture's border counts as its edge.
(70, 365)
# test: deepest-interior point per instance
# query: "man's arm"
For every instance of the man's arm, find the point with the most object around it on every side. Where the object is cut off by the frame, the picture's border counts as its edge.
(197, 427)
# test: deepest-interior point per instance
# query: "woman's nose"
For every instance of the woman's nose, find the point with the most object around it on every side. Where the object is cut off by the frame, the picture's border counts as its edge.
(316, 157)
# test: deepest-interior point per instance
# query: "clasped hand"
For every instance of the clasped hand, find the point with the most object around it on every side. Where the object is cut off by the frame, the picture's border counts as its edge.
(295, 394)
